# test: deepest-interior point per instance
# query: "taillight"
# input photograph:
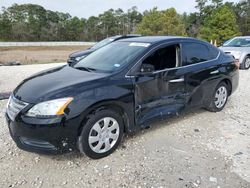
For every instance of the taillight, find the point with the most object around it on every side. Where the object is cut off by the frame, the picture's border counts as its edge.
(237, 63)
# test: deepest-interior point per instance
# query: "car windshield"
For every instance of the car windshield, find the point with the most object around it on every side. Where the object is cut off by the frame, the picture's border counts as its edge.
(238, 42)
(102, 43)
(112, 57)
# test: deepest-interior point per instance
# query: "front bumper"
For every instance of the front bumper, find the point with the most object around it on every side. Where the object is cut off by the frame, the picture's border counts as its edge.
(54, 137)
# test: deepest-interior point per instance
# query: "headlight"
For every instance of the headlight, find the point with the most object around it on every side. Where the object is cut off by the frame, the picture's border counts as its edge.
(80, 57)
(49, 108)
(8, 101)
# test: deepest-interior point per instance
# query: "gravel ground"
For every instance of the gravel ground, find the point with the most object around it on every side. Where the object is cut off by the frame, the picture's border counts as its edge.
(11, 76)
(196, 149)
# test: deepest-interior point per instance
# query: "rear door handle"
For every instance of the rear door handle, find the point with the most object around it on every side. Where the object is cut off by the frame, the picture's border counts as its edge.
(177, 80)
(214, 72)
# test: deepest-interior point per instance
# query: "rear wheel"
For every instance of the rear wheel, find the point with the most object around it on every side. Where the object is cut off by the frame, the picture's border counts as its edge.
(219, 99)
(101, 134)
(247, 63)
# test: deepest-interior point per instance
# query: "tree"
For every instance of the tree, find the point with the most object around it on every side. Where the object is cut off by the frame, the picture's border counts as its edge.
(220, 26)
(242, 11)
(172, 23)
(191, 24)
(166, 22)
(74, 28)
(217, 3)
(205, 9)
(29, 22)
(108, 23)
(133, 17)
(120, 21)
(201, 6)
(5, 26)
(151, 23)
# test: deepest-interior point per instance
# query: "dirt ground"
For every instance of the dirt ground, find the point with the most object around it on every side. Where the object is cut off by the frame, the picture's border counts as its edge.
(196, 149)
(34, 55)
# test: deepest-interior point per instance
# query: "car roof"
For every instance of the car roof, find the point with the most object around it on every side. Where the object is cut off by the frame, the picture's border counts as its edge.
(117, 37)
(156, 39)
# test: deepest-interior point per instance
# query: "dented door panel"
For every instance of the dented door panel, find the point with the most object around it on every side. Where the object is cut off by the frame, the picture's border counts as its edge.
(200, 83)
(159, 94)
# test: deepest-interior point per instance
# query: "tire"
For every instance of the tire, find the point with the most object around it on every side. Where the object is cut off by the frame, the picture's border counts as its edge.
(219, 99)
(102, 127)
(247, 63)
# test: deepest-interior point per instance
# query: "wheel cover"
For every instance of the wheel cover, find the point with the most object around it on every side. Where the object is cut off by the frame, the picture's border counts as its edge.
(247, 63)
(220, 97)
(104, 135)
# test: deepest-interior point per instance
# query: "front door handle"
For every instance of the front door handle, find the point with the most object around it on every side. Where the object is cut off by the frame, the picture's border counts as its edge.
(177, 80)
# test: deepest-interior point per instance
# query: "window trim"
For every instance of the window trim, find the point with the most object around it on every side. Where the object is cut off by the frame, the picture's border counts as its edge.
(167, 69)
(151, 51)
(178, 58)
(183, 54)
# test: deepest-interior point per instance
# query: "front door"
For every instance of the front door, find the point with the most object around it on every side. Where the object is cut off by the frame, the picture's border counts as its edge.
(159, 90)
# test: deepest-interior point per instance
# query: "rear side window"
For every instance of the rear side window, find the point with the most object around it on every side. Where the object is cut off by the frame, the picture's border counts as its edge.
(214, 52)
(195, 53)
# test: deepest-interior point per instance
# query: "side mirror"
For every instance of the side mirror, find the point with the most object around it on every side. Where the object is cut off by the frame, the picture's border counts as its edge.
(147, 68)
(70, 62)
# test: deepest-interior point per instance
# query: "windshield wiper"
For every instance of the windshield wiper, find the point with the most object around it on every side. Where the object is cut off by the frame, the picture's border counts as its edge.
(84, 68)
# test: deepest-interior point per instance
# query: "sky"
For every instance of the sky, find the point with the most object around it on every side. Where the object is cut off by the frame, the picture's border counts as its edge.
(87, 8)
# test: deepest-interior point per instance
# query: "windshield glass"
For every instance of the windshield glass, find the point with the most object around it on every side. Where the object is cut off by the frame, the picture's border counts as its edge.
(102, 43)
(112, 57)
(238, 42)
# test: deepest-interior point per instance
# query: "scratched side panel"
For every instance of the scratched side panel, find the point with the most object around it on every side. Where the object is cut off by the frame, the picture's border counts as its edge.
(156, 96)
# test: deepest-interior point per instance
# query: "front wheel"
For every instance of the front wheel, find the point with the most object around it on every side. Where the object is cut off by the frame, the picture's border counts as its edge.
(247, 63)
(101, 134)
(219, 99)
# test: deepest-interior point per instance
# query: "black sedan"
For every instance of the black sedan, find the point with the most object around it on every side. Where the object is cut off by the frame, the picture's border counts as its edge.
(77, 56)
(118, 89)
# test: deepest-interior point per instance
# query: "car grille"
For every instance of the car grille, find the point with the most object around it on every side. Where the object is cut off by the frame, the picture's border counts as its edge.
(14, 107)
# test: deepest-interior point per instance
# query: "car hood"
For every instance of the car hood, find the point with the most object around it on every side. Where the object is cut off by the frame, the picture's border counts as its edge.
(234, 49)
(81, 53)
(56, 83)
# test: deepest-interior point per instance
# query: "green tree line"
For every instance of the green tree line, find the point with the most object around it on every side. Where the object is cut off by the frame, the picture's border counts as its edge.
(213, 20)
(29, 22)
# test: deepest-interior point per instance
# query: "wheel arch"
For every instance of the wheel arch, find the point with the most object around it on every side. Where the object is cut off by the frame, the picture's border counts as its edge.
(107, 104)
(245, 56)
(229, 84)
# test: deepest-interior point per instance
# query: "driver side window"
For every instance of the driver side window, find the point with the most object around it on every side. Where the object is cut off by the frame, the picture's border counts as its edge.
(163, 58)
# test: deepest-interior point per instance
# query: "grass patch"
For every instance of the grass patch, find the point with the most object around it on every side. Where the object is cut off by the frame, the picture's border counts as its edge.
(38, 54)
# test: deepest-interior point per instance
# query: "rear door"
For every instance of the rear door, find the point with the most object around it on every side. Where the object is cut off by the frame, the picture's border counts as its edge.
(202, 70)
